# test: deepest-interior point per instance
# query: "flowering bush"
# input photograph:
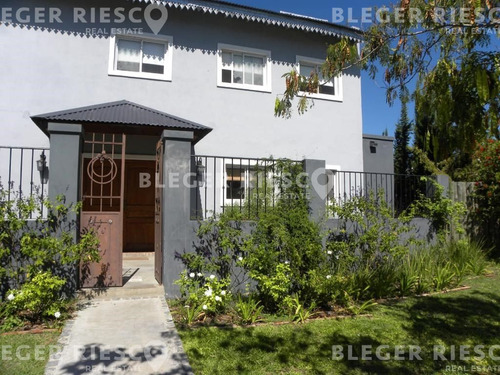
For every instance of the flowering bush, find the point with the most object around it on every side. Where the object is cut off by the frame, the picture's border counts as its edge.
(38, 299)
(208, 292)
(485, 205)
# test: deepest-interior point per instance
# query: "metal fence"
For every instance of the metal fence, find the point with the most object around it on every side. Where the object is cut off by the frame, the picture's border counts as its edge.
(24, 173)
(398, 191)
(246, 185)
(250, 186)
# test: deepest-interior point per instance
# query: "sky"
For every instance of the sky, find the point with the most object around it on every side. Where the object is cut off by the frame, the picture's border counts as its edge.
(377, 114)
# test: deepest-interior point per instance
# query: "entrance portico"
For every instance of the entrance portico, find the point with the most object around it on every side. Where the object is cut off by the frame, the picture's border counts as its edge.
(112, 157)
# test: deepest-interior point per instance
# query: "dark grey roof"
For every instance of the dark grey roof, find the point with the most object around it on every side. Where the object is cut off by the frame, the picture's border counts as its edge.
(119, 113)
(252, 14)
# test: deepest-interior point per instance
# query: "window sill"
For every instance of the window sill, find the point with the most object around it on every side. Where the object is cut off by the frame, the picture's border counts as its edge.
(330, 98)
(153, 77)
(245, 87)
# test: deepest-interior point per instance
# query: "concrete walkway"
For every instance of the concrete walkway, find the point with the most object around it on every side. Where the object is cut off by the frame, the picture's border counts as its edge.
(120, 333)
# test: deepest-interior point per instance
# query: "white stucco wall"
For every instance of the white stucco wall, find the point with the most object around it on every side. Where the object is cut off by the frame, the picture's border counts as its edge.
(44, 71)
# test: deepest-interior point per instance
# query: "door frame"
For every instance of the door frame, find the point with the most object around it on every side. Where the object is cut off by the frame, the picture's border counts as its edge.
(158, 181)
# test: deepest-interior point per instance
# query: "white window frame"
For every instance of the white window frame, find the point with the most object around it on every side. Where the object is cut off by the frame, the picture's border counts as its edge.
(266, 55)
(337, 81)
(246, 168)
(331, 171)
(165, 39)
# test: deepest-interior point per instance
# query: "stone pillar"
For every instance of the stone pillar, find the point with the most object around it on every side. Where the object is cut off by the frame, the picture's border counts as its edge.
(176, 208)
(64, 180)
(442, 180)
(64, 165)
(318, 187)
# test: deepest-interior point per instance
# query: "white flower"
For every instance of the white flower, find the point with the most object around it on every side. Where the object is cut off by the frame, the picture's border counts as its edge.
(336, 257)
(192, 275)
(223, 293)
(57, 315)
(208, 293)
(199, 274)
(212, 277)
(187, 307)
(240, 259)
(329, 252)
(218, 299)
(287, 262)
(329, 277)
(10, 297)
(205, 307)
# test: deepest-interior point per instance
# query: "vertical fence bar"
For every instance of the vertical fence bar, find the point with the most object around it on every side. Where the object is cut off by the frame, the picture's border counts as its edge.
(10, 172)
(21, 174)
(31, 176)
(204, 213)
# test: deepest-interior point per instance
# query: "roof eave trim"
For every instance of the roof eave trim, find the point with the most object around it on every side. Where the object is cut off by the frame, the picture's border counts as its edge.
(287, 21)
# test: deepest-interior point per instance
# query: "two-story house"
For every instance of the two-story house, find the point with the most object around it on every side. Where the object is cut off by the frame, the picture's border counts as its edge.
(83, 77)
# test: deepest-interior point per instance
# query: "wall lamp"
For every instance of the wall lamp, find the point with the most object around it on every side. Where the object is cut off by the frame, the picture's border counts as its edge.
(200, 172)
(41, 166)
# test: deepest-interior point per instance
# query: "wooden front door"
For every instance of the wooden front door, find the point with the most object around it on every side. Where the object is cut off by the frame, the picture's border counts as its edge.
(102, 196)
(158, 213)
(139, 206)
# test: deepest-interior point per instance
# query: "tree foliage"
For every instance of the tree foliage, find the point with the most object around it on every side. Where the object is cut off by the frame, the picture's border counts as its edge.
(445, 45)
(402, 142)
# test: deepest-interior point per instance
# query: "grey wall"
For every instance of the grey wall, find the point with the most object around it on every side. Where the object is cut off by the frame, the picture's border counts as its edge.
(378, 154)
(47, 71)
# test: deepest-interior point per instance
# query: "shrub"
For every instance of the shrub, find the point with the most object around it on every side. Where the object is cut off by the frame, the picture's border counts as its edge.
(445, 215)
(211, 293)
(484, 208)
(220, 250)
(286, 246)
(34, 252)
(38, 299)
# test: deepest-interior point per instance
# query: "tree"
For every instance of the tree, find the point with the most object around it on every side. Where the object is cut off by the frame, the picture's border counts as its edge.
(444, 45)
(402, 142)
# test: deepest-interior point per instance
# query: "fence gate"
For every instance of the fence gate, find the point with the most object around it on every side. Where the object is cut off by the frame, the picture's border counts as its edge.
(158, 219)
(103, 174)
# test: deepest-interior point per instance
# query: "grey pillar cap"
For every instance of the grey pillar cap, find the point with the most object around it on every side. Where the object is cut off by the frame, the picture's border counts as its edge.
(180, 135)
(60, 128)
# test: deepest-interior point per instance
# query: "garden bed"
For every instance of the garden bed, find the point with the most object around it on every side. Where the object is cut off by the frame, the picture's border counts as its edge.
(463, 317)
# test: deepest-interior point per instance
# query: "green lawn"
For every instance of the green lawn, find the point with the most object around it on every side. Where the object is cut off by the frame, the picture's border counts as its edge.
(470, 317)
(26, 354)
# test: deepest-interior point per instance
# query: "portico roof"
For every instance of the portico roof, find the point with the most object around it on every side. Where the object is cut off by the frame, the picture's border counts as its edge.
(122, 113)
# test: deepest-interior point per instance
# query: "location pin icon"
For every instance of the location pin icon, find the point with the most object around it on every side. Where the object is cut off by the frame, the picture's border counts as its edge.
(156, 25)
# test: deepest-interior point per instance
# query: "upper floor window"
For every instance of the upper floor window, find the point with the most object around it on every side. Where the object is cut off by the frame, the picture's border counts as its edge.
(244, 68)
(327, 89)
(141, 57)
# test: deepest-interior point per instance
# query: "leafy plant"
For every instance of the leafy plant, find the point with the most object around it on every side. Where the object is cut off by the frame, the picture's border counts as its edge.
(38, 255)
(31, 243)
(445, 215)
(220, 250)
(407, 283)
(358, 309)
(191, 314)
(37, 299)
(484, 205)
(298, 312)
(209, 292)
(248, 309)
(444, 277)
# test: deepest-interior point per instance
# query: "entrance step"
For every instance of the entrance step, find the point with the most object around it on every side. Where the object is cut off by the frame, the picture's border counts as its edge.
(138, 280)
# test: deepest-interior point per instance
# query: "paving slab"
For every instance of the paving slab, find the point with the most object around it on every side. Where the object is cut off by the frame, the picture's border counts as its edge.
(119, 331)
(126, 336)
